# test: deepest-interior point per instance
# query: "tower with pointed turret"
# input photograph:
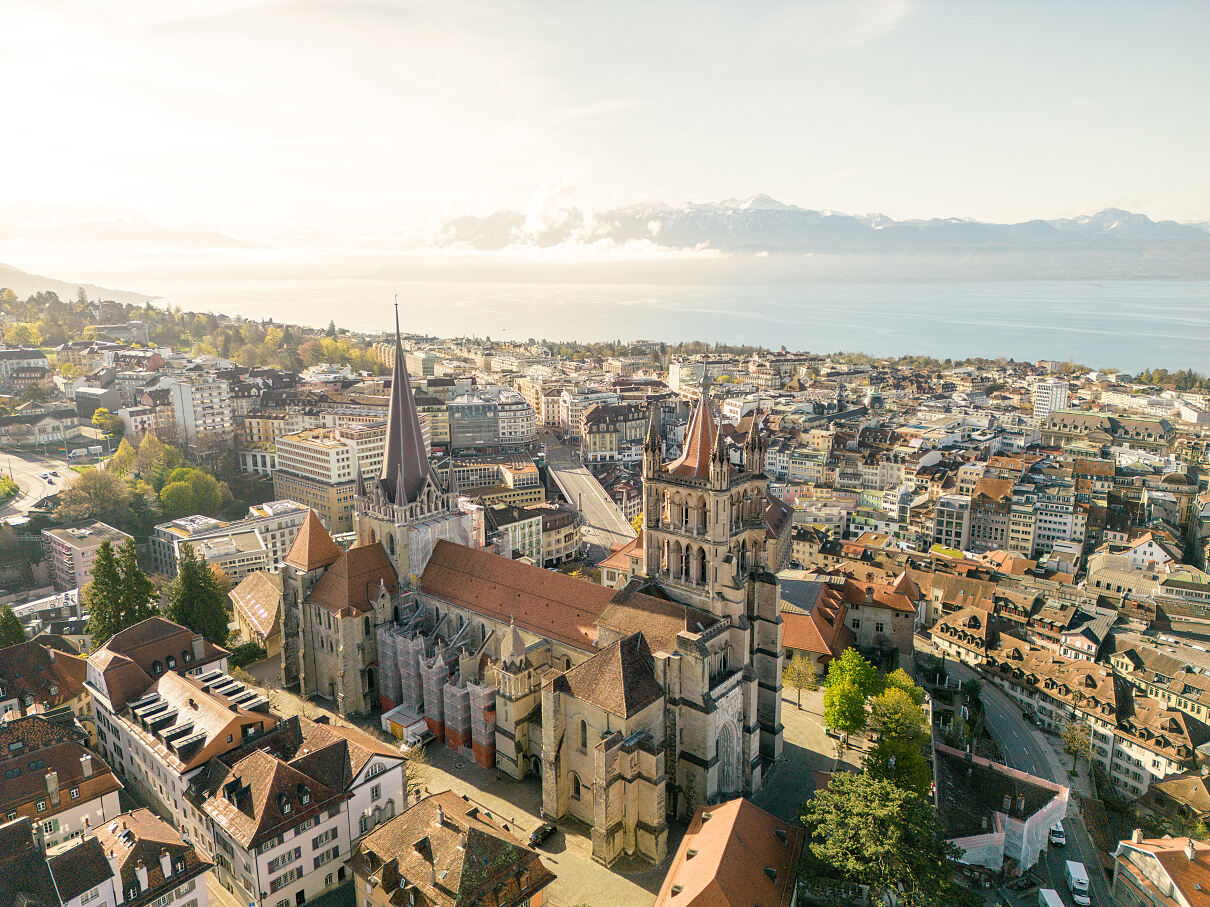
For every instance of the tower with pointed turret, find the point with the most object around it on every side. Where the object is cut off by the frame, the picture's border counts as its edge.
(407, 493)
(706, 538)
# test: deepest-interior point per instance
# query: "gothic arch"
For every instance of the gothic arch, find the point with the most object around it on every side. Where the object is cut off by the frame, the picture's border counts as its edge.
(729, 774)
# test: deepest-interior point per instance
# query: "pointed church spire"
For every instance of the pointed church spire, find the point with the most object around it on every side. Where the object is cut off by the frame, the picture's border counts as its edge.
(404, 464)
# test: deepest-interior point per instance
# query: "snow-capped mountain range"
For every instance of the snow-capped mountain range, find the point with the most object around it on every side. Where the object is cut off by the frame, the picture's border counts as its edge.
(763, 224)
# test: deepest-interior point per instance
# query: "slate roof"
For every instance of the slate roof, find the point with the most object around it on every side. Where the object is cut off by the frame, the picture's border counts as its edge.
(30, 668)
(24, 876)
(313, 547)
(619, 679)
(42, 747)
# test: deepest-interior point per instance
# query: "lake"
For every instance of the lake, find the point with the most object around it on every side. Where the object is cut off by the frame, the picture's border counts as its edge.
(1124, 324)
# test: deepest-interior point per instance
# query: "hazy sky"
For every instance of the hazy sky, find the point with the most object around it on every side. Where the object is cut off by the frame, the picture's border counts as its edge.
(264, 117)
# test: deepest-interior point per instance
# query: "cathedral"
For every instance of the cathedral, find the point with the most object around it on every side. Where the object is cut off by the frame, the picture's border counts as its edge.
(629, 704)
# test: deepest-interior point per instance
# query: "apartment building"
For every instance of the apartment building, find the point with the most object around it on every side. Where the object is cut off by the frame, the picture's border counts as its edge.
(561, 533)
(319, 468)
(573, 402)
(613, 433)
(274, 523)
(49, 778)
(202, 407)
(73, 552)
(1158, 872)
(517, 529)
(286, 811)
(1049, 395)
(952, 521)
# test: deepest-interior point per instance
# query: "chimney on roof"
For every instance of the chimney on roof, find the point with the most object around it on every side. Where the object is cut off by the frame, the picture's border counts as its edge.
(165, 863)
(52, 787)
(50, 650)
(1190, 850)
(86, 765)
(1008, 803)
(440, 814)
(141, 873)
(1136, 836)
(199, 648)
(1021, 805)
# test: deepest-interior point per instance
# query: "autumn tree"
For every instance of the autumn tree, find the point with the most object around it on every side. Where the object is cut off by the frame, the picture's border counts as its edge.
(900, 679)
(1077, 741)
(800, 675)
(895, 715)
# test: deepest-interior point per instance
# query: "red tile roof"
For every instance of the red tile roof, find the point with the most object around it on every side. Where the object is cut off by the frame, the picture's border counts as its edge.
(741, 855)
(313, 547)
(350, 585)
(548, 604)
(694, 461)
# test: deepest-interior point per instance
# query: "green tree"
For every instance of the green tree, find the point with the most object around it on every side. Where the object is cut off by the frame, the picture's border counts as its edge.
(99, 495)
(195, 598)
(900, 679)
(122, 459)
(104, 420)
(135, 590)
(901, 763)
(104, 596)
(844, 708)
(177, 499)
(894, 715)
(11, 631)
(874, 833)
(851, 668)
(800, 675)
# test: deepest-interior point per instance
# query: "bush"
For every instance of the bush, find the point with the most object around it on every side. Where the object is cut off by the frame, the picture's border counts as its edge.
(246, 653)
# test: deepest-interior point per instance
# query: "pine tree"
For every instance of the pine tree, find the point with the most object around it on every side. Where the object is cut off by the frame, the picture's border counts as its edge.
(136, 588)
(196, 599)
(104, 597)
(11, 631)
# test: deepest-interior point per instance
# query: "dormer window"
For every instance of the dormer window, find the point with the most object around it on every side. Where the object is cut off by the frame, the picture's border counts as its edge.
(284, 804)
(186, 657)
(304, 794)
(157, 668)
(171, 662)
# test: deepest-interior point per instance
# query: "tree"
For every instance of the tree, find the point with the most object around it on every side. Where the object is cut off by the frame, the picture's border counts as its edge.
(900, 679)
(104, 420)
(11, 631)
(901, 763)
(195, 599)
(896, 716)
(1077, 741)
(178, 500)
(23, 334)
(134, 600)
(844, 708)
(851, 668)
(97, 495)
(104, 596)
(637, 523)
(873, 833)
(800, 674)
(413, 772)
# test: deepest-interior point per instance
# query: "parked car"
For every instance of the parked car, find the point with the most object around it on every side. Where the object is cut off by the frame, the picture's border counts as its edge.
(1057, 836)
(541, 833)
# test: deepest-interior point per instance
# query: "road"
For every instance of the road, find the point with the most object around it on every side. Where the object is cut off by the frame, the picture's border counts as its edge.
(1027, 749)
(604, 525)
(27, 469)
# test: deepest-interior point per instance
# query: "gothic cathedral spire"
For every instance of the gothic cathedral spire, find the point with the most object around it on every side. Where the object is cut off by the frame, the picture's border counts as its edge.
(404, 463)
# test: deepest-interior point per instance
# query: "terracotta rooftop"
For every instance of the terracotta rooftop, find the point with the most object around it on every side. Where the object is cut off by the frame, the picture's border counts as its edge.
(619, 679)
(543, 602)
(351, 583)
(694, 461)
(141, 837)
(734, 854)
(455, 852)
(313, 547)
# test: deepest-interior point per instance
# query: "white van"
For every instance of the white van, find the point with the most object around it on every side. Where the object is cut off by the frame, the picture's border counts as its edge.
(1048, 897)
(1077, 881)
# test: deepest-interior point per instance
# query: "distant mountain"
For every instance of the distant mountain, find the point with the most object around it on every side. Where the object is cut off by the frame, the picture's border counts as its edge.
(1130, 244)
(24, 284)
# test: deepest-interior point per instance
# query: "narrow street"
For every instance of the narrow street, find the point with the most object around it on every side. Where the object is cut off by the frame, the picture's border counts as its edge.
(1027, 749)
(604, 525)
